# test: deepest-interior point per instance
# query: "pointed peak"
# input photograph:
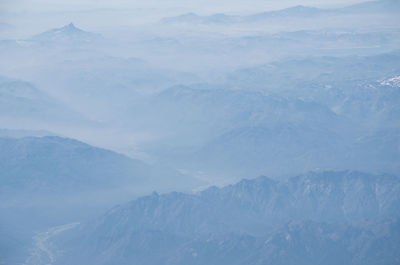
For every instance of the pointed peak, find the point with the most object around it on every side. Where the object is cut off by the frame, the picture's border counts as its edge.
(66, 33)
(70, 26)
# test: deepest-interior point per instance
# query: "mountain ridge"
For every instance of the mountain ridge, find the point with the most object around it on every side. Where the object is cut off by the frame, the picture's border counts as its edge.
(252, 220)
(298, 11)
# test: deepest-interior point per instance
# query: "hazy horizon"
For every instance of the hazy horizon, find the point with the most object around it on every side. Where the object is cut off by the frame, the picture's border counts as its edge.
(26, 18)
(193, 133)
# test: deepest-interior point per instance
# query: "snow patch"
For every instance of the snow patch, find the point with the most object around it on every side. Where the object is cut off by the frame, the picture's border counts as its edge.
(393, 82)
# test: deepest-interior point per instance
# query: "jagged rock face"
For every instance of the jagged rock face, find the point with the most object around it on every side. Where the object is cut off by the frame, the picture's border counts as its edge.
(327, 217)
(329, 197)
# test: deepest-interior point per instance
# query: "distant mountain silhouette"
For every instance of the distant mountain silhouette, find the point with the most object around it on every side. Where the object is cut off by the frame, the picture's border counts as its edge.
(67, 33)
(386, 6)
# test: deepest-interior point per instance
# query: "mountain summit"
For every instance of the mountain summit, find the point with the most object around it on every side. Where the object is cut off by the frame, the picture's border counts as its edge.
(67, 33)
(70, 28)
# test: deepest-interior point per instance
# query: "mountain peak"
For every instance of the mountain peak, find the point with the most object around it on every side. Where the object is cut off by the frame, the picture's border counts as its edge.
(68, 32)
(70, 26)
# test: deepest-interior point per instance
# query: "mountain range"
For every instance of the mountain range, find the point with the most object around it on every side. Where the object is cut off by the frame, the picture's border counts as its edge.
(385, 6)
(51, 180)
(327, 217)
(267, 138)
(275, 119)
